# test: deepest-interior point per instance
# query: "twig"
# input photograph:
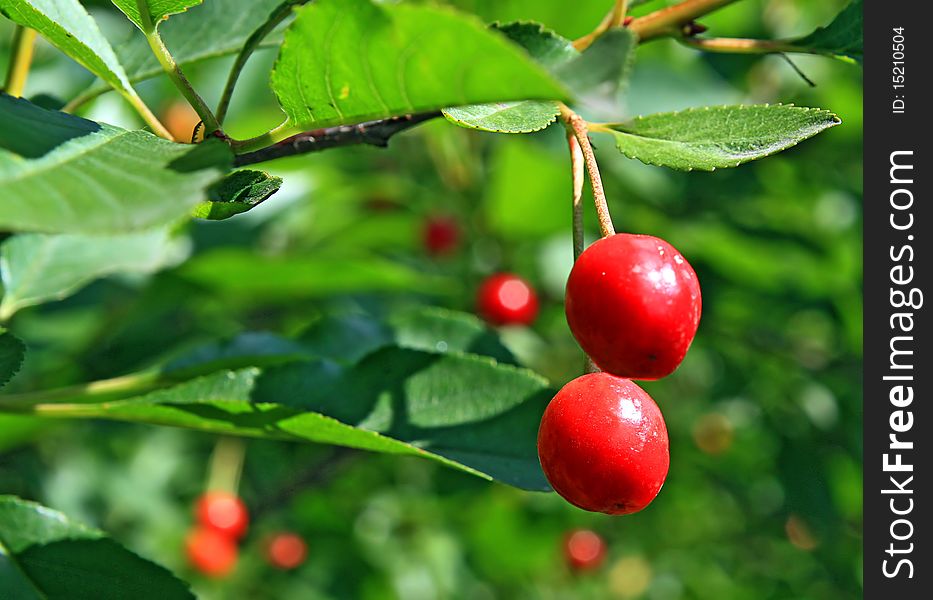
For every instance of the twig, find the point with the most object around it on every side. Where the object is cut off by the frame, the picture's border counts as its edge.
(24, 42)
(578, 169)
(577, 125)
(739, 45)
(373, 133)
(671, 20)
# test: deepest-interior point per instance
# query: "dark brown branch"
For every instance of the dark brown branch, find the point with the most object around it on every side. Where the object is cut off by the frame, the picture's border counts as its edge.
(373, 133)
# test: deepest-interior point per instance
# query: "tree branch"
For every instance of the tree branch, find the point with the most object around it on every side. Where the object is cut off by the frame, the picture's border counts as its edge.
(669, 21)
(373, 133)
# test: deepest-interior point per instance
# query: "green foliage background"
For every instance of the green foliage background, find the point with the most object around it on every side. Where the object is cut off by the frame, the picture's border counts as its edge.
(776, 244)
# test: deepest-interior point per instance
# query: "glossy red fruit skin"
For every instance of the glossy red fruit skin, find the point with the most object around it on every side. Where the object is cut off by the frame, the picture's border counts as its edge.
(584, 550)
(223, 512)
(286, 551)
(633, 303)
(603, 445)
(507, 299)
(211, 552)
(441, 235)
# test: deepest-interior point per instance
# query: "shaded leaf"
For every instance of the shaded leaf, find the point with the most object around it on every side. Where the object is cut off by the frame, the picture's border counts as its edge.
(608, 60)
(61, 173)
(12, 353)
(716, 137)
(38, 267)
(237, 193)
(842, 38)
(44, 555)
(349, 61)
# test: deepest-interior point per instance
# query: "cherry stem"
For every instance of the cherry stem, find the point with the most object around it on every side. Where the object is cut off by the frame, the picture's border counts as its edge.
(578, 167)
(226, 465)
(671, 20)
(740, 45)
(578, 127)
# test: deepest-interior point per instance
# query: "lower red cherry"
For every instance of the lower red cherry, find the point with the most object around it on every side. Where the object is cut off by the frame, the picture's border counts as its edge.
(633, 303)
(584, 550)
(286, 551)
(603, 445)
(506, 299)
(211, 552)
(441, 235)
(223, 512)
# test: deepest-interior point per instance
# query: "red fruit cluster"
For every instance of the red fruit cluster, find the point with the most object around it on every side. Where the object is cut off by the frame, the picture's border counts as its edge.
(222, 519)
(633, 303)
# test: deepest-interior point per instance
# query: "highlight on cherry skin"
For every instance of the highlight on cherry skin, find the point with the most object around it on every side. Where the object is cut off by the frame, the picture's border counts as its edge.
(584, 550)
(633, 303)
(223, 512)
(211, 552)
(603, 445)
(507, 299)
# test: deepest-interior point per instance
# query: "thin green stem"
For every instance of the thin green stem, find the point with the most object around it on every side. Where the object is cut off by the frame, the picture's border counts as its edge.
(24, 42)
(276, 135)
(278, 15)
(146, 113)
(671, 20)
(96, 391)
(174, 71)
(226, 465)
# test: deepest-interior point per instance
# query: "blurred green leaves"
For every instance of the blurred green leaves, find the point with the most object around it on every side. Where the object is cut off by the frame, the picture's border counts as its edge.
(842, 38)
(12, 352)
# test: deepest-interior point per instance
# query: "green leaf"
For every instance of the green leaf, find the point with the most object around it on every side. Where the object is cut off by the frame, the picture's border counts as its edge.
(237, 193)
(608, 60)
(158, 10)
(12, 353)
(842, 38)
(67, 26)
(464, 411)
(243, 274)
(210, 30)
(710, 138)
(349, 61)
(64, 174)
(45, 556)
(525, 116)
(39, 267)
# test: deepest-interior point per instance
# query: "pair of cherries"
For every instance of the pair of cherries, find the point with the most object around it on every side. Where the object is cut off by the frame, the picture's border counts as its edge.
(222, 522)
(633, 304)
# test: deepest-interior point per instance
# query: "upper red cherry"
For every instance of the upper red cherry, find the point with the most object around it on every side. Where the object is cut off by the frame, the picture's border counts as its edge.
(223, 512)
(633, 303)
(506, 299)
(286, 550)
(441, 235)
(211, 552)
(603, 445)
(584, 550)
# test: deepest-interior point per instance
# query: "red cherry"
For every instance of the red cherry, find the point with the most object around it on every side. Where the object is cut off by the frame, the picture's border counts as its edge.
(441, 235)
(286, 551)
(211, 552)
(506, 299)
(584, 550)
(633, 303)
(223, 512)
(603, 445)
